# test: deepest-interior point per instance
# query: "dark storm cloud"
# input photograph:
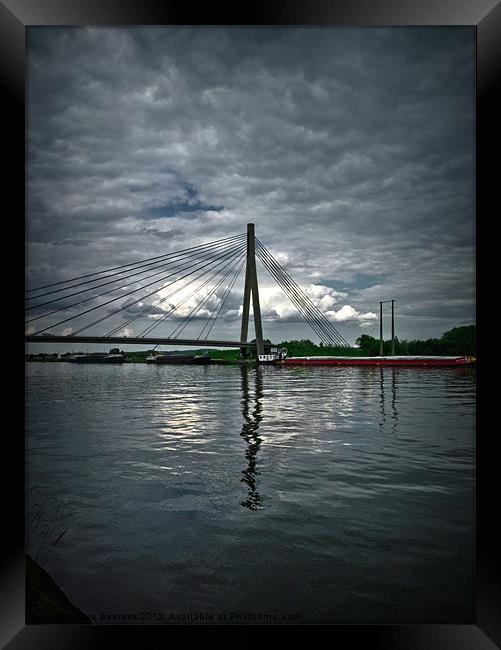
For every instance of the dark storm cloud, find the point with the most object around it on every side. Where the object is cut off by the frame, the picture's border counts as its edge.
(163, 234)
(351, 150)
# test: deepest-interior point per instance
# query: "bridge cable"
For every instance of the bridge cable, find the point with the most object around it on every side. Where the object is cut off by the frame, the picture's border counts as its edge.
(148, 329)
(312, 321)
(132, 264)
(223, 301)
(155, 304)
(303, 303)
(305, 297)
(119, 279)
(191, 316)
(103, 293)
(213, 263)
(178, 266)
(75, 293)
(321, 333)
(129, 293)
(136, 316)
(310, 317)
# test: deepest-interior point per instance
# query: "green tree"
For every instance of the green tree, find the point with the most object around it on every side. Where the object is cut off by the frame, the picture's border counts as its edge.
(459, 340)
(368, 345)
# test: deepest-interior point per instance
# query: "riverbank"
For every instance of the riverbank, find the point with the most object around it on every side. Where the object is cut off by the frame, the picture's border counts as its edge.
(45, 601)
(238, 362)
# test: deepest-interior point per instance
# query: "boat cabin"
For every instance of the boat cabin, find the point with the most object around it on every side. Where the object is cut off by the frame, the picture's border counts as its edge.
(275, 355)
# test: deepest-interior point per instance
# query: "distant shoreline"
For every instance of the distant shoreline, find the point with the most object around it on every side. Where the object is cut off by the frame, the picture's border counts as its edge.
(244, 362)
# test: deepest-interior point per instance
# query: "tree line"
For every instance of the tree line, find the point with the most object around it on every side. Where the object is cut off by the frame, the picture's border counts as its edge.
(458, 341)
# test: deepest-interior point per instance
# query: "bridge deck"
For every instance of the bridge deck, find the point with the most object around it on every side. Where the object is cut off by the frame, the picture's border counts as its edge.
(122, 340)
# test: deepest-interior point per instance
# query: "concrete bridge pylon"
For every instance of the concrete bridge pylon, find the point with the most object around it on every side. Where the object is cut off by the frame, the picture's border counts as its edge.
(251, 288)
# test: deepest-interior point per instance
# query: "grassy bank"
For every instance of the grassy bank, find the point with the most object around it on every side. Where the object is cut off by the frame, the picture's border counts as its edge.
(45, 601)
(456, 342)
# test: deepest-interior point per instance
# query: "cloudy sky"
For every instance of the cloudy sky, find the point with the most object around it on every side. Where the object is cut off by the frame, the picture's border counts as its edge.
(352, 150)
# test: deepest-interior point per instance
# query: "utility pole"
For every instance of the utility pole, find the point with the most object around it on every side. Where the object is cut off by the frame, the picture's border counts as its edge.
(251, 287)
(393, 328)
(381, 303)
(380, 329)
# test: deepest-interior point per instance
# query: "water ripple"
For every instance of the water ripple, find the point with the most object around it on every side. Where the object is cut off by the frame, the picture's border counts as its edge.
(342, 492)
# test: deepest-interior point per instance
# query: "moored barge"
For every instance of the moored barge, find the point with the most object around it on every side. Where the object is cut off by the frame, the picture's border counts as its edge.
(97, 358)
(199, 359)
(405, 361)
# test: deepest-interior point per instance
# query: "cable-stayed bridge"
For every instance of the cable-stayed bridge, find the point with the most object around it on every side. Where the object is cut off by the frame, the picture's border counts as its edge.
(104, 304)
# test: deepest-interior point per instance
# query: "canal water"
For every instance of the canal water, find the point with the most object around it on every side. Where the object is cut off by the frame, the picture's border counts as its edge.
(228, 494)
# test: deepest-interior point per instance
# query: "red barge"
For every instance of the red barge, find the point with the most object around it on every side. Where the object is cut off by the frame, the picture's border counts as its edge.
(379, 361)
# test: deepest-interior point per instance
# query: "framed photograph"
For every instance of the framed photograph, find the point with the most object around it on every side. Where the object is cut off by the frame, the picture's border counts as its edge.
(250, 310)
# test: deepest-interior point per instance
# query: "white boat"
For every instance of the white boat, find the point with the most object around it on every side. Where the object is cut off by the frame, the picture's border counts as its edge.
(152, 358)
(275, 356)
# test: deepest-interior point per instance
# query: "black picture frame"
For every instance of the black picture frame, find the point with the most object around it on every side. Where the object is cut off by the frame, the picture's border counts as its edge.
(15, 16)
